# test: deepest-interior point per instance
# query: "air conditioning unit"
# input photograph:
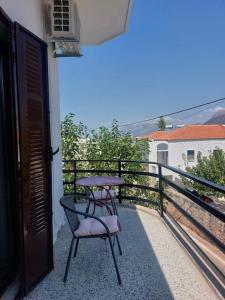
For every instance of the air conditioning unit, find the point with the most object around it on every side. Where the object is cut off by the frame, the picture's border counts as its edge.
(65, 22)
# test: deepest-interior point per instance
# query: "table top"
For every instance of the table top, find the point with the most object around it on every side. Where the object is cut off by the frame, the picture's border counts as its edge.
(100, 181)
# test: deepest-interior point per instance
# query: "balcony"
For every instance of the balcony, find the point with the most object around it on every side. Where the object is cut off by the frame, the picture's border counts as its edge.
(172, 241)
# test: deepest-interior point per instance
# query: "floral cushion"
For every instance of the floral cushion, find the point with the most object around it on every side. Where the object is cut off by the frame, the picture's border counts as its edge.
(90, 226)
(98, 195)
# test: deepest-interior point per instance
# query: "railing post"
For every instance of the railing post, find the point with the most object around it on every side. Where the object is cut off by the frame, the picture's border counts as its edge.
(120, 188)
(75, 178)
(160, 190)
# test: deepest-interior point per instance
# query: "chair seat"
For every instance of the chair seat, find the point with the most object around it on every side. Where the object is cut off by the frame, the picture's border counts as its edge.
(90, 226)
(101, 195)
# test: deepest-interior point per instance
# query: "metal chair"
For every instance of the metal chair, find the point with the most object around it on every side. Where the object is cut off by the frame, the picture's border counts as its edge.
(101, 226)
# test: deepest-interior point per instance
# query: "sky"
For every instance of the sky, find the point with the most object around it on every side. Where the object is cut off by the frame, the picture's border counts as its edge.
(171, 57)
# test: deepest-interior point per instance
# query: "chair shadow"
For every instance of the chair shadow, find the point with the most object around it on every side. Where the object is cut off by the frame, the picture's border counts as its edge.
(92, 274)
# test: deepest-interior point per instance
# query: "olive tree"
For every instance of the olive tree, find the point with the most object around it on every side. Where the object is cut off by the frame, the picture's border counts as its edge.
(210, 168)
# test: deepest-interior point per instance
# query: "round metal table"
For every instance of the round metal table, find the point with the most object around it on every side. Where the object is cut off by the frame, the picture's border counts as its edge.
(103, 182)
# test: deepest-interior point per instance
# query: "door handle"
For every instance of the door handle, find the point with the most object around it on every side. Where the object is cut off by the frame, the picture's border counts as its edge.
(52, 153)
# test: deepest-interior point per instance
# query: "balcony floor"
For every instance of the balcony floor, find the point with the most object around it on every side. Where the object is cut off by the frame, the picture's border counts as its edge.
(153, 266)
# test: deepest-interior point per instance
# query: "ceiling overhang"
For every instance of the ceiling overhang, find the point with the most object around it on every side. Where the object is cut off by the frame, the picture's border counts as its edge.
(102, 20)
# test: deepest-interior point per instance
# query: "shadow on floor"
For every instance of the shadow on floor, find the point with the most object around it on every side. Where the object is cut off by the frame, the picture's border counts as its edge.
(92, 274)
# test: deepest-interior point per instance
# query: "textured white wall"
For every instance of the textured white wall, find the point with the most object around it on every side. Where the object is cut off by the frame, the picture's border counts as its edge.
(153, 151)
(29, 13)
(57, 186)
(176, 149)
(26, 12)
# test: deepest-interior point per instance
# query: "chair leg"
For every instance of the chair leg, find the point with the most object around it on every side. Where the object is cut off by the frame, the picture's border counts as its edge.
(114, 206)
(114, 259)
(75, 251)
(118, 243)
(68, 260)
(94, 204)
(114, 238)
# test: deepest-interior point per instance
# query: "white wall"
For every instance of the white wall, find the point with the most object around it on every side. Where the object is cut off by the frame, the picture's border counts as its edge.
(29, 13)
(57, 186)
(177, 149)
(26, 12)
(153, 151)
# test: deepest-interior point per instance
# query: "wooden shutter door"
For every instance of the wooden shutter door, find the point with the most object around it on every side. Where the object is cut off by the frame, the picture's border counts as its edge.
(35, 166)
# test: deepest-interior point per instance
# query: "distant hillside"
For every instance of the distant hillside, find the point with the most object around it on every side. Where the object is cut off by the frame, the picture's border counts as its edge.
(150, 126)
(217, 118)
(141, 129)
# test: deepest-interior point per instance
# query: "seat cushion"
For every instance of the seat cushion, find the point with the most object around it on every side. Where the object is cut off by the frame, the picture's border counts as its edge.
(90, 226)
(98, 195)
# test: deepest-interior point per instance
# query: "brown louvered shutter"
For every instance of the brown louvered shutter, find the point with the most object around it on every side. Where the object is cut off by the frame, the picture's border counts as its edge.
(35, 166)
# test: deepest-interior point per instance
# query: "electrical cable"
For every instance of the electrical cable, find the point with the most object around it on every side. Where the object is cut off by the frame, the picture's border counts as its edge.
(173, 113)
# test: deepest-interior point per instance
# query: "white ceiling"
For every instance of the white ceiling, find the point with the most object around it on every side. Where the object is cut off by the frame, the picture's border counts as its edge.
(102, 20)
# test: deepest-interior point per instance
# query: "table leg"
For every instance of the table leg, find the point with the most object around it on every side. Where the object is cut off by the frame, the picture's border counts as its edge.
(111, 199)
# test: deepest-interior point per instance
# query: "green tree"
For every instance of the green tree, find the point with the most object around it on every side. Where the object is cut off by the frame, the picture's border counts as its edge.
(111, 143)
(161, 124)
(210, 168)
(73, 145)
(73, 137)
(104, 144)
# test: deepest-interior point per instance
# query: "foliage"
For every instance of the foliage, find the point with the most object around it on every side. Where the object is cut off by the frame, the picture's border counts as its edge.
(161, 124)
(104, 144)
(210, 168)
(115, 144)
(72, 136)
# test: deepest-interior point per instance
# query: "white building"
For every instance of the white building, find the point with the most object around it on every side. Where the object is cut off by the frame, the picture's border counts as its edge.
(179, 147)
(33, 33)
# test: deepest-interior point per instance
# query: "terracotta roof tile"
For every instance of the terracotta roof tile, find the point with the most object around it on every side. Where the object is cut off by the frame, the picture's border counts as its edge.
(190, 132)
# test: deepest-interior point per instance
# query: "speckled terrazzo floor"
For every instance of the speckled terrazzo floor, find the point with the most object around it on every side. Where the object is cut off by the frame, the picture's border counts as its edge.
(153, 266)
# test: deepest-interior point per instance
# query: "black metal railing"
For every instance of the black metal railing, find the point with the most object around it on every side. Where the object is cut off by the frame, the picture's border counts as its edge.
(71, 167)
(165, 198)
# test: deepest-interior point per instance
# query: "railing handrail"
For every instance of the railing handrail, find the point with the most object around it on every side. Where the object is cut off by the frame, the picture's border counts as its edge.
(214, 211)
(195, 178)
(200, 180)
(112, 160)
(164, 194)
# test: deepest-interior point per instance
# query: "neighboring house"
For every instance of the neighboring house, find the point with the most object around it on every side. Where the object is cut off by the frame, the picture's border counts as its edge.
(179, 147)
(30, 176)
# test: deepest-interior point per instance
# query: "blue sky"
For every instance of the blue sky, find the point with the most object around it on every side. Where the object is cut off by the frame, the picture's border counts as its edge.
(172, 57)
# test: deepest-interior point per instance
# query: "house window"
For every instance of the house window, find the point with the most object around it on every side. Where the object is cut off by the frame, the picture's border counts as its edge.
(162, 153)
(190, 155)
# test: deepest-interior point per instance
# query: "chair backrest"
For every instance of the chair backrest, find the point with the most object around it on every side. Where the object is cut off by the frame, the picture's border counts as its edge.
(67, 203)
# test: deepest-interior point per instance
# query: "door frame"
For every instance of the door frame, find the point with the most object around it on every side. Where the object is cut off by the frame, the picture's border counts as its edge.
(15, 174)
(10, 138)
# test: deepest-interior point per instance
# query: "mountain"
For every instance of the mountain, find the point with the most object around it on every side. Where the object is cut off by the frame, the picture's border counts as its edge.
(217, 118)
(140, 129)
(147, 127)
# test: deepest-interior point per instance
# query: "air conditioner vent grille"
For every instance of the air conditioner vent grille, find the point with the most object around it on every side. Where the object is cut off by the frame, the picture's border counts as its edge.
(61, 16)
